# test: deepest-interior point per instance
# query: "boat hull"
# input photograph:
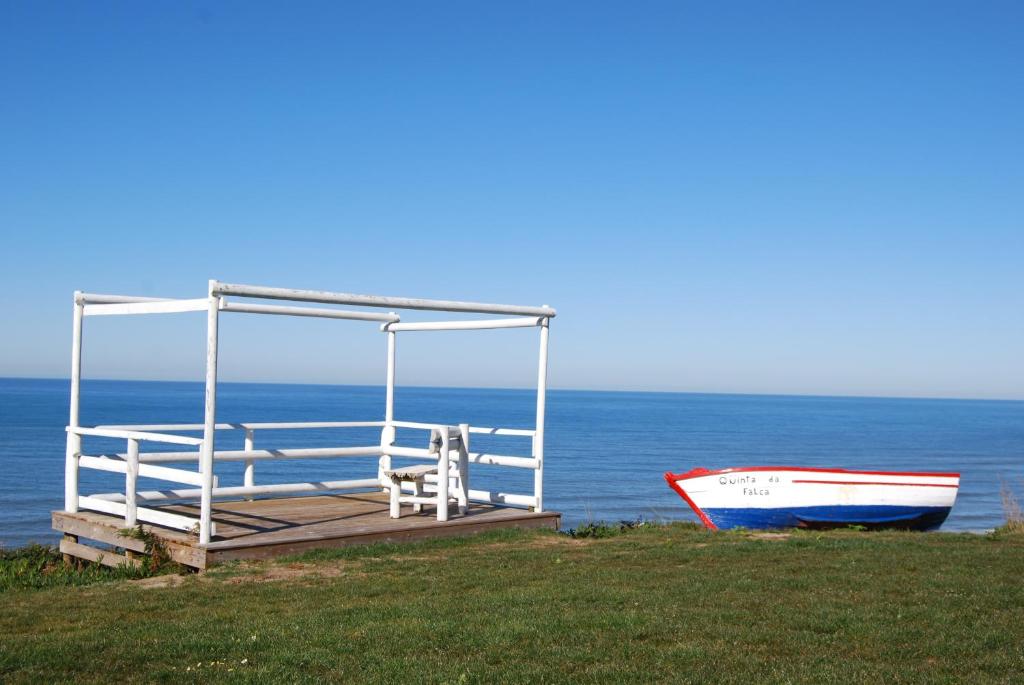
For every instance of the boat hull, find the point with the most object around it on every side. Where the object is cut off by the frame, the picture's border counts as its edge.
(791, 497)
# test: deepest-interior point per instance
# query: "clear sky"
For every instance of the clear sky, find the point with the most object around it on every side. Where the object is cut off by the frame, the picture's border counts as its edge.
(758, 197)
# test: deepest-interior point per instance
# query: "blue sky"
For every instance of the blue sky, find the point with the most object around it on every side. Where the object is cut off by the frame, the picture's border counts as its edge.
(729, 197)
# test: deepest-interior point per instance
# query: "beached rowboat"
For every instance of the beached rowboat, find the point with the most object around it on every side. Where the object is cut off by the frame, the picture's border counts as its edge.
(787, 497)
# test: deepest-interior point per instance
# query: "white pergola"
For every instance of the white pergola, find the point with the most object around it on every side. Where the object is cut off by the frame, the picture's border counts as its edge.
(230, 297)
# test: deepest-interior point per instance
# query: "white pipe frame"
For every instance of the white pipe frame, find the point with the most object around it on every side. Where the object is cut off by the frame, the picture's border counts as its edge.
(95, 298)
(134, 463)
(306, 311)
(324, 297)
(210, 414)
(259, 455)
(470, 325)
(387, 434)
(246, 491)
(74, 439)
(158, 307)
(538, 436)
(248, 425)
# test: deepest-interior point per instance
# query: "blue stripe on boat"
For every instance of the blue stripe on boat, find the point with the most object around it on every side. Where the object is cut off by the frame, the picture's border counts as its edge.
(917, 518)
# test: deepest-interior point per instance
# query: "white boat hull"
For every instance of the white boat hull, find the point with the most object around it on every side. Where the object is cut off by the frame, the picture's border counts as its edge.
(783, 497)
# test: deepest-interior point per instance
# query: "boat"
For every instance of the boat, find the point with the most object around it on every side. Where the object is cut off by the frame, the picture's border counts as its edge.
(766, 497)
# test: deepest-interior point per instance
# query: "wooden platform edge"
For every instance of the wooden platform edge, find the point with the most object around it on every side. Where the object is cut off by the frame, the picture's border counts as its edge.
(550, 520)
(390, 527)
(73, 524)
(199, 557)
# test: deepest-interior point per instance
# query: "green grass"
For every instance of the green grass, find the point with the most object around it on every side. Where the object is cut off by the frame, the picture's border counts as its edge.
(38, 566)
(647, 604)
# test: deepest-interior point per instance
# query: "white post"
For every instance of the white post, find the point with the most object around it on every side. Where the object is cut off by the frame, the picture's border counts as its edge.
(131, 477)
(387, 436)
(206, 453)
(249, 479)
(538, 437)
(395, 510)
(463, 468)
(443, 465)
(74, 442)
(389, 402)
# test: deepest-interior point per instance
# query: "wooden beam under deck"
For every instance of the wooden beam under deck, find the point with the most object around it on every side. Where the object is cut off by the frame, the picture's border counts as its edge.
(267, 528)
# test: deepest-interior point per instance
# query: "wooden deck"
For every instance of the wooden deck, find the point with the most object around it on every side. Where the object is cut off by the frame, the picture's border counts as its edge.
(265, 528)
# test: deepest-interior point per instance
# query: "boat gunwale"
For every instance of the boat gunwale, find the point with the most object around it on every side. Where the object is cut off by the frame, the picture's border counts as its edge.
(700, 472)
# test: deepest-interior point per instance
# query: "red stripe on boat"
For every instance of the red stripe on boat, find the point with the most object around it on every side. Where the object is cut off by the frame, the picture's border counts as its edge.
(865, 482)
(873, 482)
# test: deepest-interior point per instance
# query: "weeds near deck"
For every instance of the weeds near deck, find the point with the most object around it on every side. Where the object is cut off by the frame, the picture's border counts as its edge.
(39, 566)
(1011, 509)
(600, 529)
(157, 560)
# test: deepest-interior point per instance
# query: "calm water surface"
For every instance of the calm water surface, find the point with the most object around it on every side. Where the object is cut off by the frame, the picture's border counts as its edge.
(606, 451)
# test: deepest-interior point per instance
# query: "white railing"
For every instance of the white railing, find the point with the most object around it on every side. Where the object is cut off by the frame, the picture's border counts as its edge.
(129, 464)
(134, 463)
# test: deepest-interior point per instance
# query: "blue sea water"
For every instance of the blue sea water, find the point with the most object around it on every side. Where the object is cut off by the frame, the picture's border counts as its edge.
(606, 451)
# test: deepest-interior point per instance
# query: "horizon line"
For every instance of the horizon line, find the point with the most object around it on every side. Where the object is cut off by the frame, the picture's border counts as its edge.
(532, 388)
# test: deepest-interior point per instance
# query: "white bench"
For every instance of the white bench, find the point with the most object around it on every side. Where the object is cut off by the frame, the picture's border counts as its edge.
(417, 475)
(455, 483)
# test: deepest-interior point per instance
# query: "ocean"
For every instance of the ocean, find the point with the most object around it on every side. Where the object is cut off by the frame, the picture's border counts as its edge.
(605, 451)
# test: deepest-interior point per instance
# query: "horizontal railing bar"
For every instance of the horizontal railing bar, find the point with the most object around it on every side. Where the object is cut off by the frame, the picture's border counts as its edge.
(418, 452)
(483, 324)
(307, 453)
(246, 426)
(135, 435)
(526, 432)
(306, 311)
(413, 499)
(328, 452)
(325, 297)
(106, 506)
(243, 455)
(419, 425)
(485, 496)
(502, 498)
(106, 463)
(474, 457)
(503, 460)
(243, 491)
(97, 298)
(119, 496)
(158, 307)
(102, 463)
(161, 518)
(169, 520)
(172, 475)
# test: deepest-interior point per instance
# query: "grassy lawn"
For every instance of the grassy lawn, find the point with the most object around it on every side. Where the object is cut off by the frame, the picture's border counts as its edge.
(652, 604)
